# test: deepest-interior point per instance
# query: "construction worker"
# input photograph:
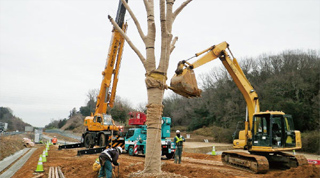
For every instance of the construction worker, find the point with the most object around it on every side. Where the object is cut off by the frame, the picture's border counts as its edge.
(54, 140)
(106, 157)
(178, 140)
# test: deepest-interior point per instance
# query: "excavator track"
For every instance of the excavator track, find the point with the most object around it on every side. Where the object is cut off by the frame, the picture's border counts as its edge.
(281, 159)
(244, 161)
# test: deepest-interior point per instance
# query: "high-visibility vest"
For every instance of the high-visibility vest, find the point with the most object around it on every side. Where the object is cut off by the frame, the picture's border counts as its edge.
(54, 140)
(179, 139)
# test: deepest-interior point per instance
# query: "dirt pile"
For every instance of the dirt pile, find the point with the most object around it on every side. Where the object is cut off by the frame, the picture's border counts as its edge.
(11, 144)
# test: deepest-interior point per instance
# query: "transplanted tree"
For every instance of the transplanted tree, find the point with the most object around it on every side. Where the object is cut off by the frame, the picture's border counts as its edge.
(156, 76)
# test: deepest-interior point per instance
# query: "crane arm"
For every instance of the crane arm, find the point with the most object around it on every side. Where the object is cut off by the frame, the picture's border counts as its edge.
(109, 82)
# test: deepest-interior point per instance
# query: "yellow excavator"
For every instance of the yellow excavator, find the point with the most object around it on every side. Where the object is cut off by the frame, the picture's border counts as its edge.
(266, 135)
(100, 127)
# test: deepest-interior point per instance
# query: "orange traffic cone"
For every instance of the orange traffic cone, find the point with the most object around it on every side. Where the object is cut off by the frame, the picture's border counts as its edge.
(40, 165)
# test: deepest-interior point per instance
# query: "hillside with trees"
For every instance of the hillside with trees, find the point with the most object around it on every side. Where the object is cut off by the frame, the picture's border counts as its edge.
(75, 119)
(14, 123)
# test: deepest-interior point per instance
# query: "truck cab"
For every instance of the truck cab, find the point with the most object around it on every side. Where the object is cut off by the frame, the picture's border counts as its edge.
(135, 138)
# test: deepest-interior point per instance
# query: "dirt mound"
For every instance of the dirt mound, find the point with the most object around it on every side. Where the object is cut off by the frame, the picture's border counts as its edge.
(75, 123)
(11, 144)
(306, 171)
(202, 156)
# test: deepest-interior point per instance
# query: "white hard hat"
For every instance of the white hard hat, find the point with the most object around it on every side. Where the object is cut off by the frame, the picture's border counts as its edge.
(119, 149)
(178, 131)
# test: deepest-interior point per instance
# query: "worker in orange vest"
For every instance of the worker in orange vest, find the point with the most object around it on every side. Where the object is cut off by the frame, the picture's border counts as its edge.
(54, 140)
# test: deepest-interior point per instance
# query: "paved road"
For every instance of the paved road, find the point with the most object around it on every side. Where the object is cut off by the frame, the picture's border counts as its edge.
(59, 140)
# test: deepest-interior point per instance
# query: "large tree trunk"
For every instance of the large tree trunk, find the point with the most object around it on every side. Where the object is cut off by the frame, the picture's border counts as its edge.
(154, 113)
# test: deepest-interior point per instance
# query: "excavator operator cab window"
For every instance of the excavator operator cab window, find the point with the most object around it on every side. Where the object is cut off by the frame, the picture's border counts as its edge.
(283, 134)
(260, 130)
(289, 135)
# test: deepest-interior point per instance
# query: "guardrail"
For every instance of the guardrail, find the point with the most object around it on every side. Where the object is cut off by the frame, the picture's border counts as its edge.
(64, 133)
(10, 133)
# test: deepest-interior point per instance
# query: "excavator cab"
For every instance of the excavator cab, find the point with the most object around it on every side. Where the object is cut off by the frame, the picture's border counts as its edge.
(184, 81)
(273, 130)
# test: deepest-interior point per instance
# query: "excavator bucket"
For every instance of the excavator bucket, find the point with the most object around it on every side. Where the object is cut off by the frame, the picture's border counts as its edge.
(185, 84)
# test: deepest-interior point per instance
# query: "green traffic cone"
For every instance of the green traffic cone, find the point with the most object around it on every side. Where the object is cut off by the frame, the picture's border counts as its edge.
(45, 152)
(39, 166)
(213, 151)
(44, 159)
(40, 158)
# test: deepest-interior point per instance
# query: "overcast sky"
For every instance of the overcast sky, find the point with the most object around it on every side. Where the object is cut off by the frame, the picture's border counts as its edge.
(52, 52)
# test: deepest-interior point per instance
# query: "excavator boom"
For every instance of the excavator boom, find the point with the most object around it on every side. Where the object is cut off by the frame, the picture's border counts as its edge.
(185, 84)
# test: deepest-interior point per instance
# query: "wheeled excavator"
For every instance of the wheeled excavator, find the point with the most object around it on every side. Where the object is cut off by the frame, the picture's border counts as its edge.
(266, 135)
(100, 127)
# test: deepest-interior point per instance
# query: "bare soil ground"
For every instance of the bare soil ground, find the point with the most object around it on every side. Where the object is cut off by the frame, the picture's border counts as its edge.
(193, 165)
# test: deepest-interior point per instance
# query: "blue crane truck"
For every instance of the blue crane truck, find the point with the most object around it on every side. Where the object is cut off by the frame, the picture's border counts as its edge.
(135, 138)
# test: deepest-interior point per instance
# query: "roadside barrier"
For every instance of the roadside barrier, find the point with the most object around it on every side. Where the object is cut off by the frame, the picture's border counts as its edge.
(312, 161)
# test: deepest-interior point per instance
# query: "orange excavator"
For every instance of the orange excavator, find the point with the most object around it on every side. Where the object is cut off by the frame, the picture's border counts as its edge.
(266, 134)
(100, 127)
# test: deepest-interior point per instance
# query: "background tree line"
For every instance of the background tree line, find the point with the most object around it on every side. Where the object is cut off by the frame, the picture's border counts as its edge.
(14, 123)
(287, 82)
(119, 113)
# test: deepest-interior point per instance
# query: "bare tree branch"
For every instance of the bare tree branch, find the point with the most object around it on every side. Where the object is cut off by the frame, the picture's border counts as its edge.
(150, 18)
(169, 15)
(172, 46)
(151, 36)
(136, 22)
(116, 26)
(163, 19)
(179, 9)
(146, 4)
